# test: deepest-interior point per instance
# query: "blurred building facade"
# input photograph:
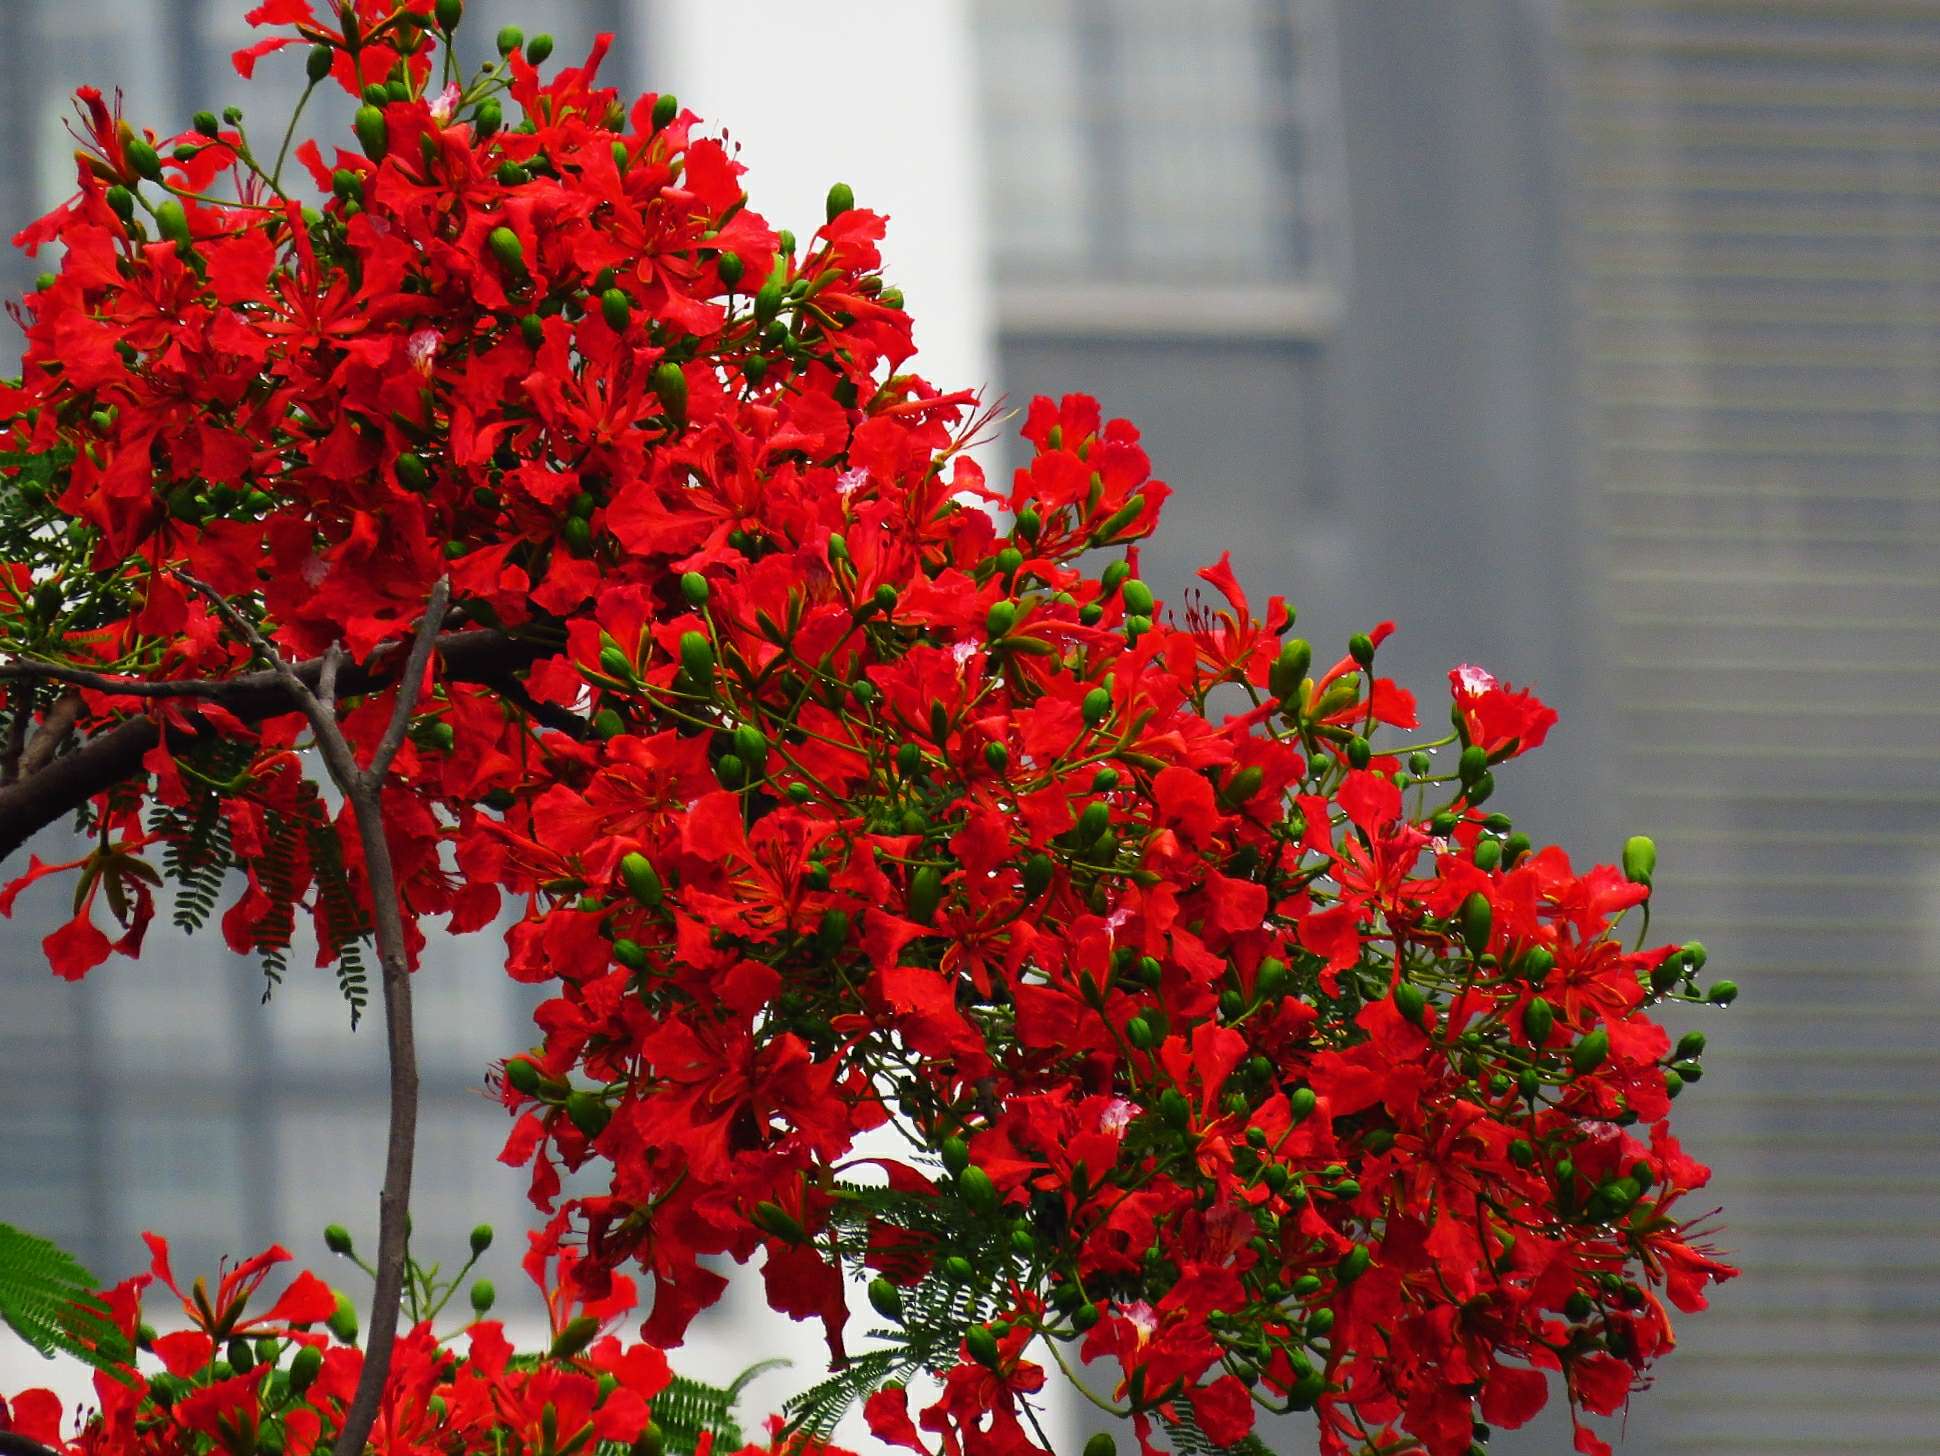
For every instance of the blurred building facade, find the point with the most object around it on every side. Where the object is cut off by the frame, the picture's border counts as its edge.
(1596, 341)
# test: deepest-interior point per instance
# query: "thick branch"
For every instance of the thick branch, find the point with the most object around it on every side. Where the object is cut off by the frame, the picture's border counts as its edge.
(109, 758)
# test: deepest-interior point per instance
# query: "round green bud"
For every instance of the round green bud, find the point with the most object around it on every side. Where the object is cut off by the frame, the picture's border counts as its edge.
(1138, 1031)
(539, 49)
(1538, 1020)
(317, 64)
(305, 1365)
(343, 1320)
(1589, 1053)
(1138, 597)
(171, 221)
(506, 248)
(1477, 920)
(840, 199)
(670, 384)
(373, 133)
(697, 659)
(1353, 1264)
(588, 1111)
(730, 268)
(997, 755)
(977, 1189)
(1302, 1103)
(642, 880)
(481, 1239)
(483, 1297)
(1722, 993)
(617, 309)
(510, 39)
(487, 118)
(1639, 859)
(523, 1075)
(336, 1238)
(1411, 1001)
(448, 13)
(1102, 1444)
(885, 1298)
(955, 1153)
(666, 107)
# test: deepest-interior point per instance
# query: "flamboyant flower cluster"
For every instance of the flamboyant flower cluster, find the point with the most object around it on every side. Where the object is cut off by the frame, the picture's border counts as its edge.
(1250, 1062)
(232, 1379)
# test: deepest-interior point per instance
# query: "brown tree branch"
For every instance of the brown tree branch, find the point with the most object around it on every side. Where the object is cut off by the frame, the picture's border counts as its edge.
(363, 790)
(479, 655)
(55, 729)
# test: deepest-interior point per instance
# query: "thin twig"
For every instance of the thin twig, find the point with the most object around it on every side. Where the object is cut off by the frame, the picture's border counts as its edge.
(412, 681)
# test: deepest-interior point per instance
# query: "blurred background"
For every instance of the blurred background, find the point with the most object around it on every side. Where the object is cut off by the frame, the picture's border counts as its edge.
(1595, 341)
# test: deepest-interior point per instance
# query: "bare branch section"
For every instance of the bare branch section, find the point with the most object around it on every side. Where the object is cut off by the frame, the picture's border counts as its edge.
(60, 785)
(363, 790)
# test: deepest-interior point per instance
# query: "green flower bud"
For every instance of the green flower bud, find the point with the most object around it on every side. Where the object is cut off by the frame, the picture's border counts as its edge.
(143, 158)
(1245, 784)
(997, 755)
(730, 267)
(412, 473)
(1301, 1103)
(483, 1297)
(305, 1365)
(1639, 859)
(506, 247)
(487, 118)
(1359, 752)
(373, 134)
(1536, 964)
(840, 199)
(171, 221)
(1691, 1044)
(1001, 617)
(1588, 1054)
(1477, 918)
(1138, 1031)
(630, 953)
(1009, 560)
(343, 1320)
(981, 1344)
(697, 660)
(666, 107)
(1138, 597)
(885, 1298)
(642, 880)
(1360, 647)
(539, 49)
(955, 1153)
(977, 1189)
(510, 39)
(1117, 521)
(448, 13)
(925, 892)
(1722, 993)
(317, 64)
(959, 1268)
(524, 1076)
(574, 1338)
(336, 1238)
(1037, 875)
(617, 309)
(670, 384)
(1473, 763)
(1096, 706)
(1101, 1444)
(1411, 1001)
(1538, 1020)
(1353, 1264)
(588, 1111)
(1488, 854)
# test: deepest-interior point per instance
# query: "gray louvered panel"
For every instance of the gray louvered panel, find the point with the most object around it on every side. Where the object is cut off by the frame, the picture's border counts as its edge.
(1758, 206)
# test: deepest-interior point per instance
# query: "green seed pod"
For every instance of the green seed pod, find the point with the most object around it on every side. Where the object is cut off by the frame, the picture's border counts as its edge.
(977, 1189)
(885, 1298)
(483, 1297)
(373, 134)
(1639, 859)
(1353, 1264)
(697, 660)
(336, 1238)
(1538, 1020)
(1477, 918)
(588, 1112)
(171, 221)
(925, 893)
(343, 1320)
(840, 199)
(617, 309)
(666, 107)
(506, 247)
(1037, 875)
(538, 50)
(305, 1365)
(642, 880)
(1137, 597)
(997, 755)
(670, 384)
(510, 39)
(1411, 1001)
(1588, 1054)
